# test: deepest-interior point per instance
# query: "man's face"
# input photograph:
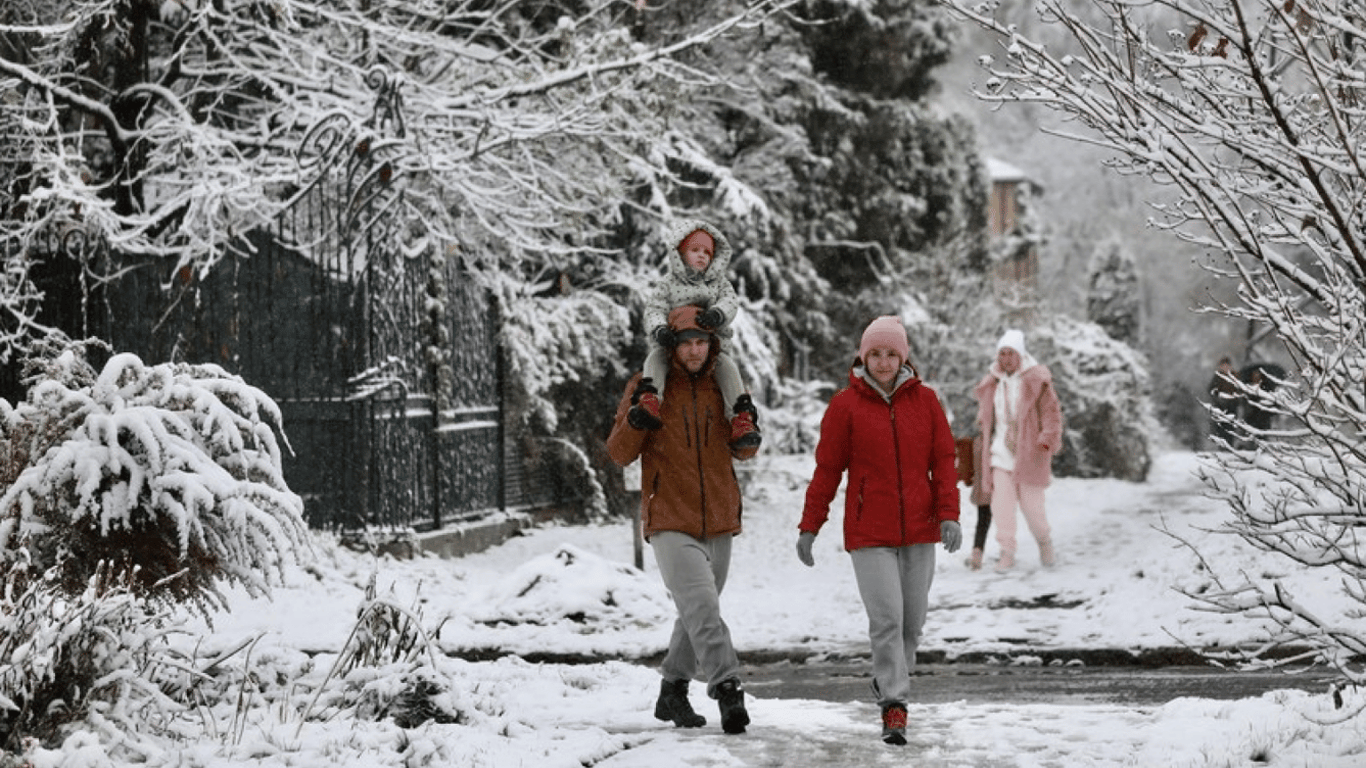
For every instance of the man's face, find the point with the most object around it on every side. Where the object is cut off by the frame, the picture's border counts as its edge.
(692, 353)
(1008, 359)
(697, 256)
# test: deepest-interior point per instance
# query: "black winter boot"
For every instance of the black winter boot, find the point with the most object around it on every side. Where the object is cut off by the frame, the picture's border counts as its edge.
(673, 705)
(731, 696)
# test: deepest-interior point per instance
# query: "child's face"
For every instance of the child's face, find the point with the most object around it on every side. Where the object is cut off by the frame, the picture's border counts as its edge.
(696, 255)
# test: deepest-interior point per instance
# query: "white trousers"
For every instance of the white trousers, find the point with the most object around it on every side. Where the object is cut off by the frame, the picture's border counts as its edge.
(1008, 495)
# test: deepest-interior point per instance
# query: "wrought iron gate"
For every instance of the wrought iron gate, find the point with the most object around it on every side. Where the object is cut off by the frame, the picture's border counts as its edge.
(383, 358)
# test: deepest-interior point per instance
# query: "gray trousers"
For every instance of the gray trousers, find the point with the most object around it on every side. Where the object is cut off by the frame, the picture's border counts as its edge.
(894, 583)
(694, 572)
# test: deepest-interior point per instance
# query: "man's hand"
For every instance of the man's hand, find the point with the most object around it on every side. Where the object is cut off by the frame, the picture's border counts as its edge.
(951, 533)
(804, 542)
(710, 319)
(663, 336)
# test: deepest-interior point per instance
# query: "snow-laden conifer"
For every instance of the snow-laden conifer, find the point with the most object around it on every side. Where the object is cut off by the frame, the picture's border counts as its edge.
(171, 472)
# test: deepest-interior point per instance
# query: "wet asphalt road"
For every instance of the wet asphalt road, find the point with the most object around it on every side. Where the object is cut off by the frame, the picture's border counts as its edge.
(847, 681)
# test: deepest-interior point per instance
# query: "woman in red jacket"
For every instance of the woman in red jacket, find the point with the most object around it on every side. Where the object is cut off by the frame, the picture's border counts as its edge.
(888, 431)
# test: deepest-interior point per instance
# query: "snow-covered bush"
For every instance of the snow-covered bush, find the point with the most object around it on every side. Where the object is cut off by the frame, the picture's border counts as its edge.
(1104, 389)
(792, 423)
(170, 473)
(65, 657)
(1113, 297)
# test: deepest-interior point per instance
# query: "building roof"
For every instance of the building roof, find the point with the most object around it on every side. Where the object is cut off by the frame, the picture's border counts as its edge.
(1000, 170)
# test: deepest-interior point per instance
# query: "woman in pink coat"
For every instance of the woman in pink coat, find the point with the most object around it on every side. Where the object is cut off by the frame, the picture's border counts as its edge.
(888, 432)
(1017, 408)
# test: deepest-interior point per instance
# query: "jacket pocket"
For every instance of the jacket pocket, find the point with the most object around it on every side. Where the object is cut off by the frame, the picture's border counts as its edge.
(647, 503)
(858, 500)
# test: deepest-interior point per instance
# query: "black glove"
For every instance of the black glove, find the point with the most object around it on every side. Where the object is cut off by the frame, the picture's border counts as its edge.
(663, 336)
(645, 387)
(711, 319)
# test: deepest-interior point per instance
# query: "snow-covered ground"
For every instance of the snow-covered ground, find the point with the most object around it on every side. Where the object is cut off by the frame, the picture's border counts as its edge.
(562, 591)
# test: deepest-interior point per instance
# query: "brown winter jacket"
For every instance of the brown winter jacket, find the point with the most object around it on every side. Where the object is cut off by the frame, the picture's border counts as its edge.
(687, 479)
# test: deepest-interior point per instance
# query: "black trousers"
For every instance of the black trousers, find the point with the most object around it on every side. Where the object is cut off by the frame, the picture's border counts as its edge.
(979, 538)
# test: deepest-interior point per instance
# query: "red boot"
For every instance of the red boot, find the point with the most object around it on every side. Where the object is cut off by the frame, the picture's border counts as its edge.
(744, 427)
(644, 413)
(894, 724)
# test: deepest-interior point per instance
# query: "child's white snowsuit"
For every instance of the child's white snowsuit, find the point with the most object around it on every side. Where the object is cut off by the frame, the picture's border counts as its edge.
(680, 286)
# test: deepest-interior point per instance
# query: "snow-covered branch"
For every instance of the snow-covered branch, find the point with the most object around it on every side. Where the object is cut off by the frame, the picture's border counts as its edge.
(1251, 109)
(511, 127)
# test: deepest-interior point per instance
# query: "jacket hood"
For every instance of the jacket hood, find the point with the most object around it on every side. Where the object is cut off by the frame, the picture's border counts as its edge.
(720, 258)
(860, 379)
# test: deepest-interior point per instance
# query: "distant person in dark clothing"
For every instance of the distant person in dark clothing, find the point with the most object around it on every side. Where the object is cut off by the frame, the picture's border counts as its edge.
(1225, 398)
(970, 474)
(1257, 416)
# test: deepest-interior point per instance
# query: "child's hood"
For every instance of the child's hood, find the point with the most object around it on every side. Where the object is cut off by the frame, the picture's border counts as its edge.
(720, 258)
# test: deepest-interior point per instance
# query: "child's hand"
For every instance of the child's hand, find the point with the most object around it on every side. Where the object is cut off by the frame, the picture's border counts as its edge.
(711, 319)
(663, 336)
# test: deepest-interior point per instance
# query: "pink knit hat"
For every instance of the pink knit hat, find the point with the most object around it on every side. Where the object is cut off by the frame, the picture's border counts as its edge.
(698, 237)
(886, 331)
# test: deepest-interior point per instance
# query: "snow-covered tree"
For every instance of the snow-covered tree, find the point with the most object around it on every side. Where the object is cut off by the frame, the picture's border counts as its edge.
(520, 132)
(1113, 295)
(168, 130)
(1251, 111)
(865, 189)
(168, 473)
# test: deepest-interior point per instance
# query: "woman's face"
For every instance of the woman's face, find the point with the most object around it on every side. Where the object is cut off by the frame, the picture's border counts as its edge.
(883, 363)
(1008, 359)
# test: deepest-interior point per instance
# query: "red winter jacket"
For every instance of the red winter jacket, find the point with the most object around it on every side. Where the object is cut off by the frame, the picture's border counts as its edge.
(900, 460)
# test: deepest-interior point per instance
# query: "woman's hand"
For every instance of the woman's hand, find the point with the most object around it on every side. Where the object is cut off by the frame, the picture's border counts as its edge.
(804, 541)
(951, 533)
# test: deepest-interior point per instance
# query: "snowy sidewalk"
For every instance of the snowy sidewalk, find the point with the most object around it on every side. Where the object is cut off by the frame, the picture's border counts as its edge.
(564, 591)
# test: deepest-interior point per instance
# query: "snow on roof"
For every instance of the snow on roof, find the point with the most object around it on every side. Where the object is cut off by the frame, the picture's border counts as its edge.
(999, 170)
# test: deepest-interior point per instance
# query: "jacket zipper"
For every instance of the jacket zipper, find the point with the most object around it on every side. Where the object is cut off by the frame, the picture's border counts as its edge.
(697, 450)
(900, 482)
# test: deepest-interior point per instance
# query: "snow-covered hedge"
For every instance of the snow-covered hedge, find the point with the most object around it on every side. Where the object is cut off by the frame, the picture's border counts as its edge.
(172, 472)
(1105, 392)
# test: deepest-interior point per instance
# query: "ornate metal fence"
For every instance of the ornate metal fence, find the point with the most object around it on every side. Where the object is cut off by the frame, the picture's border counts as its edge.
(383, 358)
